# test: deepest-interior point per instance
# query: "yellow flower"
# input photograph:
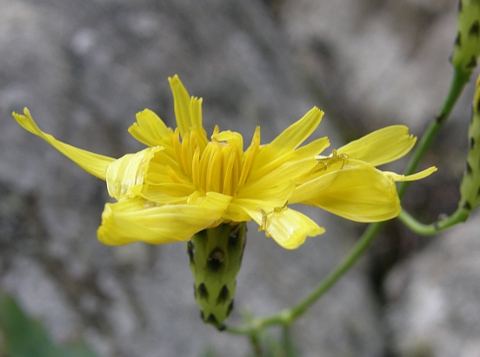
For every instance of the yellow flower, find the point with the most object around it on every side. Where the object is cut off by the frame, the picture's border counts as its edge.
(183, 183)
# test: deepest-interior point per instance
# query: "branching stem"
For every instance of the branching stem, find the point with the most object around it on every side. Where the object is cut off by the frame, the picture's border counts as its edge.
(255, 326)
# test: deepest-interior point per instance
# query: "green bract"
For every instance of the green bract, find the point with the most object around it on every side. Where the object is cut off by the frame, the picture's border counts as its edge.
(215, 259)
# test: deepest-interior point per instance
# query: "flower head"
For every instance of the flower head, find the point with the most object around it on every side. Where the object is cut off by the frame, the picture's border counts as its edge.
(183, 183)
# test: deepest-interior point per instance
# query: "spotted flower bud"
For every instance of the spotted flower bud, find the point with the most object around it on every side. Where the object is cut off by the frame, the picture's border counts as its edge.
(467, 44)
(470, 185)
(215, 259)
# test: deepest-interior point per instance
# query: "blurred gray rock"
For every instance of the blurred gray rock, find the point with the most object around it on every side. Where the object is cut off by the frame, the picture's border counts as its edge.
(432, 298)
(84, 68)
(375, 62)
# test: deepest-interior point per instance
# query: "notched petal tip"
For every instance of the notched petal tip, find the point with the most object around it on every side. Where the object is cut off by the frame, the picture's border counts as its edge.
(174, 79)
(290, 228)
(26, 121)
(188, 110)
(149, 129)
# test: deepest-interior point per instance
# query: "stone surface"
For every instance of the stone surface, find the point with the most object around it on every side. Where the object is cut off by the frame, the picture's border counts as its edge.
(432, 298)
(368, 59)
(85, 68)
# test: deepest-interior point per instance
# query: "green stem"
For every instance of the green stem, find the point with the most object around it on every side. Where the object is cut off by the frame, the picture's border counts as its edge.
(459, 79)
(355, 253)
(459, 216)
(288, 347)
(255, 341)
(286, 317)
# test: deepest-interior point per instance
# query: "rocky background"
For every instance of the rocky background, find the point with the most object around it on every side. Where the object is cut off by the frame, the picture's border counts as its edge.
(84, 68)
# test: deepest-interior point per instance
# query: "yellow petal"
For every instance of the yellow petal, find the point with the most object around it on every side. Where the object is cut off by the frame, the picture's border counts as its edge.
(264, 165)
(236, 213)
(413, 177)
(276, 194)
(288, 140)
(289, 228)
(231, 137)
(357, 192)
(126, 175)
(188, 110)
(135, 220)
(296, 133)
(249, 158)
(381, 146)
(94, 164)
(285, 173)
(150, 129)
(167, 192)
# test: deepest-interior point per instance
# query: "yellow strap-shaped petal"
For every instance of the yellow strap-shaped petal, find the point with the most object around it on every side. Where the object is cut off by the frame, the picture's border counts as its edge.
(94, 164)
(381, 146)
(274, 195)
(188, 110)
(125, 176)
(288, 140)
(289, 228)
(167, 192)
(418, 176)
(357, 192)
(150, 129)
(135, 220)
(285, 173)
(265, 165)
(297, 133)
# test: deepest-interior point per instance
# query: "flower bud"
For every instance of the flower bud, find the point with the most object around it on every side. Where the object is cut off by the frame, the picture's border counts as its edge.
(467, 44)
(470, 185)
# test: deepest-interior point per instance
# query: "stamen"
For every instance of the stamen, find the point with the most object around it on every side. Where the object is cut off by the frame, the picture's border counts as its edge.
(263, 226)
(196, 169)
(185, 158)
(214, 173)
(177, 147)
(333, 158)
(230, 177)
(205, 159)
(249, 158)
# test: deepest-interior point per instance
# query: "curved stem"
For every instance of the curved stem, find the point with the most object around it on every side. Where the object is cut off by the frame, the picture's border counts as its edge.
(459, 216)
(459, 79)
(355, 253)
(287, 316)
